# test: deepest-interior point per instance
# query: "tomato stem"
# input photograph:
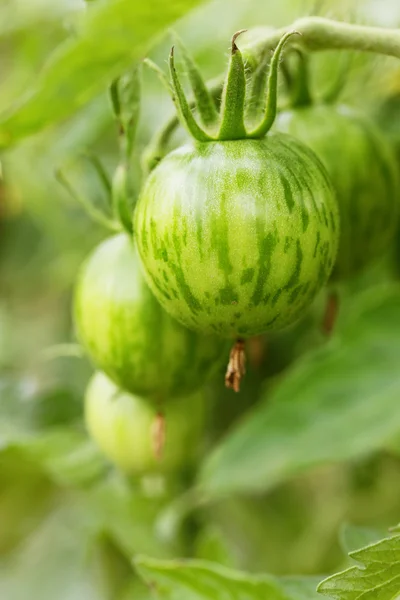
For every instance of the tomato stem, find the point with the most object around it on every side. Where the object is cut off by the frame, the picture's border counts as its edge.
(158, 434)
(319, 33)
(331, 313)
(237, 366)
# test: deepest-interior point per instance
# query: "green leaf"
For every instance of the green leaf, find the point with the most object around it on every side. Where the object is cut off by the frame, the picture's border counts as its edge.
(339, 402)
(30, 424)
(127, 515)
(202, 580)
(110, 36)
(52, 562)
(377, 579)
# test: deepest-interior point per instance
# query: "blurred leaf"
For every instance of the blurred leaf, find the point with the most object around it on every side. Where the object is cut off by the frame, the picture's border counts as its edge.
(56, 562)
(378, 578)
(26, 495)
(109, 37)
(336, 403)
(127, 515)
(201, 580)
(212, 546)
(67, 456)
(30, 425)
(352, 537)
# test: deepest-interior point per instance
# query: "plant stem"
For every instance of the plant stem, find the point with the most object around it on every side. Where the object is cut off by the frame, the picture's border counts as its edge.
(325, 34)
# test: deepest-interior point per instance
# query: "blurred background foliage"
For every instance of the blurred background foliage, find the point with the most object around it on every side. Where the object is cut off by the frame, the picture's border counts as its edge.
(312, 441)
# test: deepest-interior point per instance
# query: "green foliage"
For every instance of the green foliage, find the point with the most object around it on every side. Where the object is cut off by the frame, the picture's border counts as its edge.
(326, 408)
(377, 578)
(82, 66)
(202, 580)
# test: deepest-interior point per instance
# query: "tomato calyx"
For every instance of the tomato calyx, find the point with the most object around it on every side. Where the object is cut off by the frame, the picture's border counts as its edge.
(232, 122)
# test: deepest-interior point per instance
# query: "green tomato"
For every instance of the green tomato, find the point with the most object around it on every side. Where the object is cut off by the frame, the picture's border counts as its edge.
(237, 237)
(129, 336)
(121, 425)
(362, 167)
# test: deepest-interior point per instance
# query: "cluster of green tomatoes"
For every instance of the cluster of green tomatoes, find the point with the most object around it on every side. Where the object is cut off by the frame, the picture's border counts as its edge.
(233, 235)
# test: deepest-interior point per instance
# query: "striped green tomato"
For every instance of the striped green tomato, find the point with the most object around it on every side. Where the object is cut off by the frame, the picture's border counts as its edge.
(121, 425)
(129, 336)
(362, 167)
(237, 237)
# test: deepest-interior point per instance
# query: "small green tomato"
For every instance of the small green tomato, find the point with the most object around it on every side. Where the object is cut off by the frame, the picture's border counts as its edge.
(121, 424)
(129, 336)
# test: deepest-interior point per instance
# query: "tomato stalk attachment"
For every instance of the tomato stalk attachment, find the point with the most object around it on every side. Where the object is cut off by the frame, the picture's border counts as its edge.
(234, 104)
(158, 435)
(331, 313)
(236, 366)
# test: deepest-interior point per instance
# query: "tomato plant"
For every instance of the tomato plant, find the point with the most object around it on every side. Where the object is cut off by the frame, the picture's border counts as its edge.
(148, 478)
(129, 336)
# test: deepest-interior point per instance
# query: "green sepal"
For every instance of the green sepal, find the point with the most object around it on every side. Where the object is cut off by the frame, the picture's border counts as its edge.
(300, 92)
(233, 97)
(271, 104)
(183, 107)
(159, 145)
(205, 103)
(122, 207)
(114, 98)
(331, 95)
(125, 95)
(255, 104)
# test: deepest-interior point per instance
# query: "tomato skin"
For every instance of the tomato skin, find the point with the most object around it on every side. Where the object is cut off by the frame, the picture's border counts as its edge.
(362, 167)
(237, 237)
(121, 425)
(129, 336)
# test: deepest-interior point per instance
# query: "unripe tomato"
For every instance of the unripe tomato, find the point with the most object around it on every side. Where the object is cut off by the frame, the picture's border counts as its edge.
(129, 336)
(237, 237)
(362, 167)
(121, 425)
